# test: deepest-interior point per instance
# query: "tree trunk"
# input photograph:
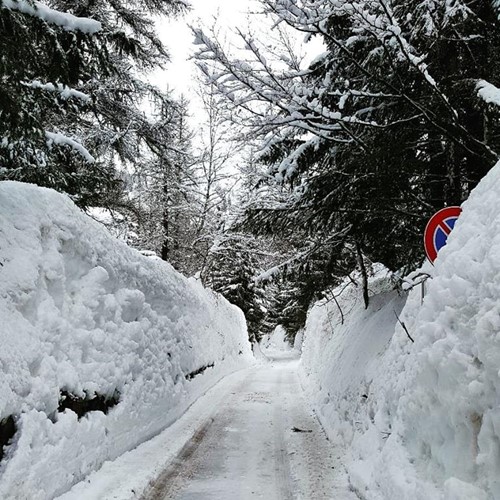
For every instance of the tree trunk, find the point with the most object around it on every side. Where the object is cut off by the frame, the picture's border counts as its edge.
(364, 274)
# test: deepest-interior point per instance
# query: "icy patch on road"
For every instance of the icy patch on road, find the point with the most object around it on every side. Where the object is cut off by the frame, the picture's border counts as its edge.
(85, 314)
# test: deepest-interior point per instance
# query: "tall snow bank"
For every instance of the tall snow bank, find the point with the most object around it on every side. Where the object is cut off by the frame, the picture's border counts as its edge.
(341, 348)
(429, 427)
(276, 340)
(83, 313)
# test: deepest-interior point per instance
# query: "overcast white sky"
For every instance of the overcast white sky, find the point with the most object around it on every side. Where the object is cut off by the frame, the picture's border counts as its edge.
(178, 38)
(181, 71)
(176, 34)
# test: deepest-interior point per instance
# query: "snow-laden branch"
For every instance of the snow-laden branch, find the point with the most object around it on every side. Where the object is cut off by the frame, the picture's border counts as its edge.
(288, 100)
(64, 91)
(269, 274)
(289, 164)
(488, 92)
(66, 21)
(417, 61)
(268, 96)
(63, 140)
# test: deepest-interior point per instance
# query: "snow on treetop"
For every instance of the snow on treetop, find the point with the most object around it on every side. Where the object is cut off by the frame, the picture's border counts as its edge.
(488, 92)
(66, 21)
(64, 91)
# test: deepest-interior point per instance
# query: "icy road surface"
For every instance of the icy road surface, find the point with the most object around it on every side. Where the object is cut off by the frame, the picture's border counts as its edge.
(251, 436)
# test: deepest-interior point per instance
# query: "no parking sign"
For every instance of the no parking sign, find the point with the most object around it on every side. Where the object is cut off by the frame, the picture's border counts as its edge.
(438, 228)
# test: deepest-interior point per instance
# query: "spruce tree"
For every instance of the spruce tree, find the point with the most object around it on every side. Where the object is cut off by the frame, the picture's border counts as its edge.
(42, 102)
(72, 113)
(230, 270)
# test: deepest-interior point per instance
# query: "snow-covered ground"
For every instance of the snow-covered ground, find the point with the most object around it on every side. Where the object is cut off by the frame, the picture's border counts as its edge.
(252, 436)
(83, 313)
(275, 341)
(408, 390)
(418, 420)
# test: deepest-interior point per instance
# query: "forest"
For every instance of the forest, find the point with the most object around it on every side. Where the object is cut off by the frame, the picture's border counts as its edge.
(302, 173)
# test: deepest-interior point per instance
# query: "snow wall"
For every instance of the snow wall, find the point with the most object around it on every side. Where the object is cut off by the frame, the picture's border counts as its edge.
(419, 421)
(276, 340)
(83, 313)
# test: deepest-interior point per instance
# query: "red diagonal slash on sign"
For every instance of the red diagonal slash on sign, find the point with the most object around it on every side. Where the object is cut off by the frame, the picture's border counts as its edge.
(439, 221)
(447, 229)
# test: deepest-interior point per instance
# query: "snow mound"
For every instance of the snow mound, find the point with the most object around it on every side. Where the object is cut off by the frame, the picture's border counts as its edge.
(341, 349)
(429, 426)
(276, 340)
(85, 314)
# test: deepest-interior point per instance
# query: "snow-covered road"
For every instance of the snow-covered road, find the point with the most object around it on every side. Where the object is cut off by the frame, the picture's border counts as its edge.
(251, 436)
(262, 441)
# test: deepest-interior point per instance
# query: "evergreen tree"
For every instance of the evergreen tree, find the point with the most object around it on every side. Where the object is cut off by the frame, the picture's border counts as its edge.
(41, 102)
(72, 111)
(381, 130)
(231, 268)
(185, 195)
(119, 129)
(166, 192)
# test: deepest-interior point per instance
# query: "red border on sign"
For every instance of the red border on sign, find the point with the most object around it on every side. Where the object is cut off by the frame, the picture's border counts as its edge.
(437, 220)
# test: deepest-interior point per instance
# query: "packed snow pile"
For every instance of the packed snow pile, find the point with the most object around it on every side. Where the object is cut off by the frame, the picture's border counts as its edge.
(87, 322)
(276, 340)
(420, 420)
(341, 349)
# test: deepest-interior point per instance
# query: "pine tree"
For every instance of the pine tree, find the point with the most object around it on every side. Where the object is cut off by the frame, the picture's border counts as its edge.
(380, 130)
(41, 100)
(231, 268)
(165, 190)
(72, 112)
